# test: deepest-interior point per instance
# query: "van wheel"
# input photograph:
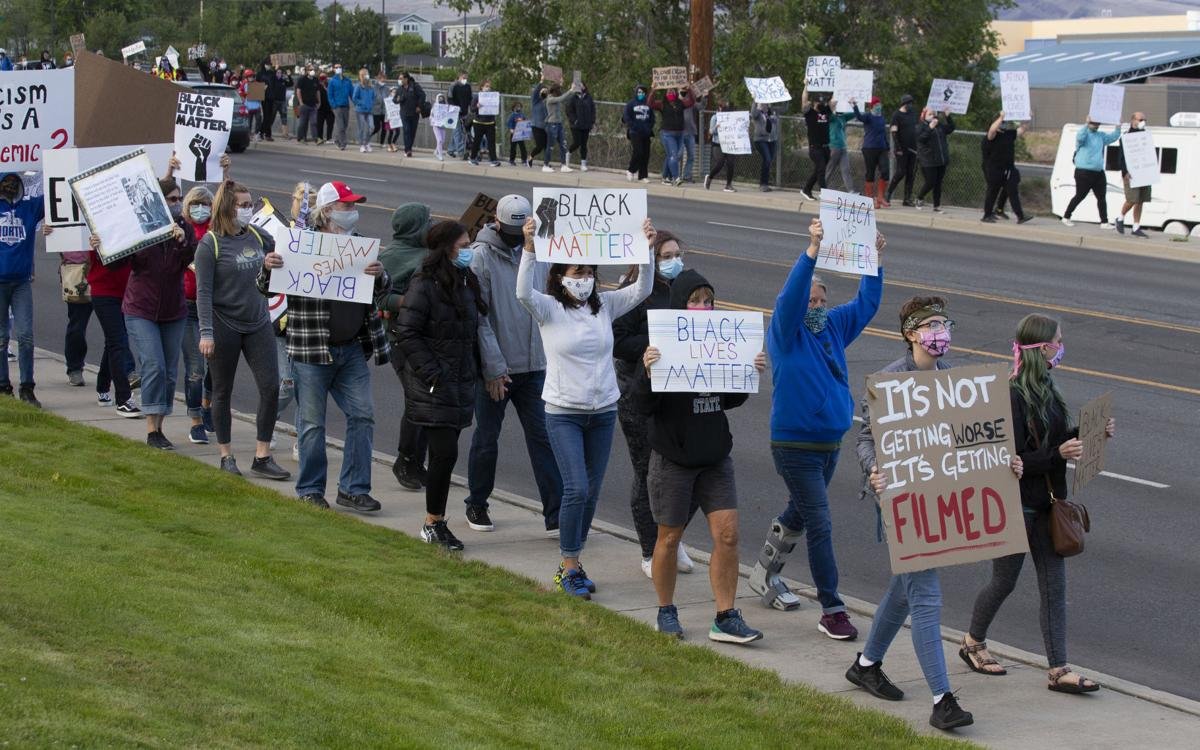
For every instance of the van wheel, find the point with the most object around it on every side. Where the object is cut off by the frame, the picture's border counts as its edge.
(1176, 229)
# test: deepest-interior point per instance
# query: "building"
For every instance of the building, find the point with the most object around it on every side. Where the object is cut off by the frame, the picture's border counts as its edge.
(1015, 36)
(449, 36)
(411, 23)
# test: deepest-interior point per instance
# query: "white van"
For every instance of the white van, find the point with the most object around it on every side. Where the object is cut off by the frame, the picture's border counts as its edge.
(1176, 197)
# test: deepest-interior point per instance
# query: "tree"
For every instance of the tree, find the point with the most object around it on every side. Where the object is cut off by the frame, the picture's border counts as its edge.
(409, 43)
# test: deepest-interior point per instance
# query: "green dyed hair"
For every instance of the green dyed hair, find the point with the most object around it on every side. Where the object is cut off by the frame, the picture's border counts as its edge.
(1033, 380)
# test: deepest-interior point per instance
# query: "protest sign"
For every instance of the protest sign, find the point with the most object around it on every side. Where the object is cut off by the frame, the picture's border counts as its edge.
(78, 43)
(705, 351)
(62, 212)
(1141, 158)
(266, 220)
(172, 56)
(672, 77)
(552, 73)
(1108, 101)
(481, 211)
(595, 227)
(577, 78)
(116, 105)
(133, 49)
(122, 205)
(849, 242)
(37, 113)
(733, 132)
(767, 90)
(256, 91)
(523, 131)
(444, 116)
(324, 266)
(821, 72)
(1014, 95)
(284, 59)
(198, 52)
(395, 121)
(202, 126)
(853, 84)
(701, 88)
(489, 103)
(1093, 423)
(949, 96)
(943, 442)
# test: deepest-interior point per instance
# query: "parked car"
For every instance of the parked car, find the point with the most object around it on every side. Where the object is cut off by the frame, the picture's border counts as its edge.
(239, 136)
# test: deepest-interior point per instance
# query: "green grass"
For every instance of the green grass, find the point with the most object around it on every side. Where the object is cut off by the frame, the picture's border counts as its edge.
(147, 600)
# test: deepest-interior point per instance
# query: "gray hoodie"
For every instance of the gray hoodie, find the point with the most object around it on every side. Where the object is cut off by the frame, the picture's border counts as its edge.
(509, 339)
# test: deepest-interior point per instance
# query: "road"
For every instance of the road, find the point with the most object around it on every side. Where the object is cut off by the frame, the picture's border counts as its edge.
(1131, 326)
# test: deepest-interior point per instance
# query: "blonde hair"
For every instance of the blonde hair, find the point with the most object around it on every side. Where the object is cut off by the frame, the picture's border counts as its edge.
(818, 281)
(298, 195)
(363, 75)
(194, 196)
(224, 216)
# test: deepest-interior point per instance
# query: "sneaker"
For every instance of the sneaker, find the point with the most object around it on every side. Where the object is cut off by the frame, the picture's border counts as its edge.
(629, 176)
(439, 533)
(363, 503)
(908, 202)
(1001, 215)
(807, 195)
(729, 627)
(947, 714)
(729, 189)
(104, 399)
(873, 680)
(1139, 232)
(265, 466)
(206, 419)
(644, 180)
(1106, 225)
(588, 583)
(552, 530)
(570, 582)
(764, 188)
(667, 181)
(197, 435)
(296, 451)
(159, 440)
(583, 166)
(1024, 219)
(229, 464)
(683, 562)
(403, 470)
(939, 210)
(316, 500)
(496, 164)
(668, 621)
(677, 182)
(1067, 222)
(1120, 230)
(362, 149)
(25, 393)
(547, 168)
(707, 181)
(478, 518)
(565, 168)
(440, 157)
(473, 162)
(648, 567)
(512, 162)
(837, 626)
(130, 410)
(75, 378)
(920, 205)
(368, 148)
(988, 220)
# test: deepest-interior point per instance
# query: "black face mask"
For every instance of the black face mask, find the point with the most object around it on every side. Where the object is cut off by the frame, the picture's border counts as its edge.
(512, 239)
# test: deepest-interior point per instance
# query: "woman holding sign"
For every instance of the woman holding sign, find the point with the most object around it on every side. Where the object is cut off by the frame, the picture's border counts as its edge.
(933, 154)
(581, 387)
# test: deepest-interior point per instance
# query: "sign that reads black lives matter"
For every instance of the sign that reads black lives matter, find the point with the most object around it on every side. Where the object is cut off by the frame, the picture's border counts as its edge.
(202, 125)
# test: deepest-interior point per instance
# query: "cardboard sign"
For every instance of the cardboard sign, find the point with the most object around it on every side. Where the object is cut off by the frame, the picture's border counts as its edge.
(444, 116)
(202, 126)
(395, 121)
(705, 351)
(122, 205)
(284, 59)
(943, 441)
(821, 72)
(733, 132)
(1108, 101)
(552, 73)
(703, 87)
(324, 266)
(489, 103)
(256, 91)
(673, 77)
(849, 242)
(172, 56)
(1093, 421)
(853, 84)
(198, 52)
(133, 49)
(116, 105)
(523, 131)
(594, 227)
(266, 220)
(577, 78)
(1141, 158)
(768, 90)
(1014, 95)
(78, 43)
(950, 96)
(481, 211)
(62, 212)
(37, 113)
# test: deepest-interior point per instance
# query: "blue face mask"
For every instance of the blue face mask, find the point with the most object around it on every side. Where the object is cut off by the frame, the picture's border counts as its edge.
(669, 269)
(463, 259)
(641, 96)
(815, 319)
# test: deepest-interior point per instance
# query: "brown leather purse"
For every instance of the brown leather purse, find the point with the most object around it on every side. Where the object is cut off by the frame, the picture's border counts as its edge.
(1068, 521)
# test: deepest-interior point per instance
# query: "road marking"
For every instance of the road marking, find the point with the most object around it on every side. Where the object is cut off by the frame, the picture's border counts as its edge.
(757, 229)
(338, 174)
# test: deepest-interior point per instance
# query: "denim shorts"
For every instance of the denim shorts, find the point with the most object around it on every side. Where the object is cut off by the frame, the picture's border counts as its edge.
(674, 489)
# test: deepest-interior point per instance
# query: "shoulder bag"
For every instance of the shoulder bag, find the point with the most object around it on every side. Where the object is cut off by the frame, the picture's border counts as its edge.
(1068, 521)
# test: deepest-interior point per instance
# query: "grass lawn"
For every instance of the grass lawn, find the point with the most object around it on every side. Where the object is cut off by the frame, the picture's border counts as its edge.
(147, 600)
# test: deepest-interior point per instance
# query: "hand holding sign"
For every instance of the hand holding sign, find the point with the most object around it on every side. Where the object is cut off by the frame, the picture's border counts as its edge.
(591, 226)
(854, 242)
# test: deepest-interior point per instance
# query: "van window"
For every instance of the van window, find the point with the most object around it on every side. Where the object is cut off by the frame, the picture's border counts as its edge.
(1167, 159)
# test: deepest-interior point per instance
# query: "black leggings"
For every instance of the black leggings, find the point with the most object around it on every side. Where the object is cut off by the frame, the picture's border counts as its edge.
(933, 177)
(905, 161)
(639, 155)
(413, 443)
(876, 158)
(259, 349)
(721, 160)
(443, 454)
(325, 121)
(378, 128)
(1089, 181)
(512, 150)
(820, 160)
(393, 136)
(539, 142)
(479, 131)
(579, 139)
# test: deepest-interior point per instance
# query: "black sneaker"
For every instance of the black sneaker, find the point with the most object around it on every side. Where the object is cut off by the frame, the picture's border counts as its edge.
(25, 393)
(229, 464)
(363, 503)
(439, 533)
(808, 196)
(1024, 219)
(873, 680)
(988, 220)
(266, 467)
(1120, 226)
(947, 714)
(908, 202)
(316, 500)
(404, 472)
(1001, 215)
(478, 518)
(6, 390)
(130, 410)
(1139, 232)
(159, 440)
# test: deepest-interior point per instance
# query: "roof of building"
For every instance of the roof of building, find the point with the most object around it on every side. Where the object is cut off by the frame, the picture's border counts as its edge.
(1119, 60)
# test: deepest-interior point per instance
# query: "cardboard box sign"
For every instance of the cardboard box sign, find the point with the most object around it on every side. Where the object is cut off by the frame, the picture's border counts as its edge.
(481, 211)
(552, 73)
(256, 91)
(283, 59)
(116, 105)
(1093, 423)
(674, 77)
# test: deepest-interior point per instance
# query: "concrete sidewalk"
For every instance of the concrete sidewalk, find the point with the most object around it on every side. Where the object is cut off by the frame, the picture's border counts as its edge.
(1015, 711)
(1047, 229)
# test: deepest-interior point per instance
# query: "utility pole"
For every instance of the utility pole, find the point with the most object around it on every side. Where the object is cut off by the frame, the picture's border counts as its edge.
(383, 55)
(700, 45)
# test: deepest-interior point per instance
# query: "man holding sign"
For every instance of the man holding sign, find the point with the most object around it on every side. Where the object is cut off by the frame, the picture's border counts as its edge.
(1090, 144)
(19, 216)
(1137, 156)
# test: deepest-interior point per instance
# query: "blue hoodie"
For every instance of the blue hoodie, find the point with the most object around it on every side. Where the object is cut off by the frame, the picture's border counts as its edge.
(639, 116)
(18, 222)
(338, 90)
(811, 400)
(1089, 147)
(364, 99)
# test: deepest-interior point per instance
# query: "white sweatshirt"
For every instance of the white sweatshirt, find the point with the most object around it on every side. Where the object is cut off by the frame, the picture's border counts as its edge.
(579, 345)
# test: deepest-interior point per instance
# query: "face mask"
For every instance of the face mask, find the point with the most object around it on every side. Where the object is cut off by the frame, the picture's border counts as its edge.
(816, 318)
(1138, 126)
(641, 96)
(877, 110)
(176, 210)
(69, 61)
(200, 213)
(462, 80)
(671, 96)
(347, 220)
(337, 71)
(223, 66)
(1058, 357)
(935, 343)
(580, 289)
(670, 268)
(244, 215)
(463, 259)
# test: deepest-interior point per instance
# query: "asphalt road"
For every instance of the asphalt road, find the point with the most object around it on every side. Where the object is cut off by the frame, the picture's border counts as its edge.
(1131, 326)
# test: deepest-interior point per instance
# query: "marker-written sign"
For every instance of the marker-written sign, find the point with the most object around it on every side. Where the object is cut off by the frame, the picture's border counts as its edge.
(594, 227)
(733, 132)
(821, 72)
(552, 73)
(202, 126)
(1108, 101)
(1014, 95)
(950, 96)
(1141, 159)
(37, 114)
(133, 49)
(444, 116)
(853, 84)
(705, 351)
(480, 212)
(673, 77)
(701, 88)
(849, 242)
(394, 118)
(489, 103)
(943, 441)
(523, 131)
(1093, 423)
(324, 266)
(768, 90)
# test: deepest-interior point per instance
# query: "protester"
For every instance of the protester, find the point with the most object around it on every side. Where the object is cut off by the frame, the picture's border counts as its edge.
(279, 92)
(720, 160)
(6, 63)
(304, 198)
(329, 342)
(483, 127)
(1045, 442)
(875, 151)
(638, 119)
(19, 214)
(363, 97)
(339, 89)
(817, 117)
(308, 92)
(581, 114)
(439, 134)
(690, 467)
(513, 118)
(933, 154)
(811, 408)
(108, 291)
(581, 388)
(764, 134)
(47, 62)
(325, 114)
(513, 365)
(254, 107)
(691, 131)
(839, 157)
(72, 276)
(904, 147)
(391, 135)
(412, 105)
(197, 384)
(1135, 197)
(1000, 171)
(377, 111)
(266, 76)
(537, 114)
(1090, 144)
(555, 97)
(461, 96)
(672, 129)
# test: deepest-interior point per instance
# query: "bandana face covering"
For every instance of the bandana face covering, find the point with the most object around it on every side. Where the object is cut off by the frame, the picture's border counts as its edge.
(936, 343)
(815, 319)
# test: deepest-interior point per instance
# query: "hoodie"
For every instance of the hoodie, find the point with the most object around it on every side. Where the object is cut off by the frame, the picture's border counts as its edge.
(339, 89)
(1090, 145)
(403, 256)
(509, 339)
(18, 220)
(537, 107)
(638, 116)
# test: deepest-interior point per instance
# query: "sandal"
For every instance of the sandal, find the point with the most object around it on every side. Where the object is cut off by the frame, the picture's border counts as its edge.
(1081, 684)
(968, 653)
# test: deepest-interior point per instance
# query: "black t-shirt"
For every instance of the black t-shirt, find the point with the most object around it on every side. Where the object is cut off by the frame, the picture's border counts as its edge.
(906, 130)
(817, 121)
(1003, 149)
(346, 319)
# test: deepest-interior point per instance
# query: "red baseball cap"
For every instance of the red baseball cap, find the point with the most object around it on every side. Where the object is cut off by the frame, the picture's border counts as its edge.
(874, 100)
(336, 192)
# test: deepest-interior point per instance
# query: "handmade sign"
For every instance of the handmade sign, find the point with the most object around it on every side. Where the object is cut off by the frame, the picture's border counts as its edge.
(943, 441)
(595, 227)
(256, 91)
(122, 205)
(821, 72)
(172, 56)
(672, 77)
(523, 131)
(950, 96)
(733, 132)
(705, 351)
(395, 121)
(37, 114)
(481, 211)
(266, 220)
(489, 103)
(284, 59)
(1014, 95)
(1108, 101)
(198, 52)
(1141, 158)
(849, 242)
(1093, 423)
(703, 87)
(62, 212)
(107, 92)
(324, 266)
(552, 73)
(133, 49)
(577, 78)
(767, 90)
(853, 84)
(202, 126)
(444, 116)
(78, 43)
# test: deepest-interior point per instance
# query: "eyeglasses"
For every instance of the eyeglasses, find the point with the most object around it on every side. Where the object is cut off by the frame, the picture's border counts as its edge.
(937, 325)
(246, 204)
(173, 199)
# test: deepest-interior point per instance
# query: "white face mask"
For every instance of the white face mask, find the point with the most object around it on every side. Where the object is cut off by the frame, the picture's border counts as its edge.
(244, 215)
(337, 71)
(580, 289)
(347, 220)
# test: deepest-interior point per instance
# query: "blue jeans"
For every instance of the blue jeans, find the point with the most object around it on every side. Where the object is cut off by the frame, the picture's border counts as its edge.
(766, 152)
(194, 365)
(525, 393)
(554, 135)
(673, 143)
(458, 142)
(582, 443)
(287, 380)
(807, 475)
(17, 297)
(689, 146)
(920, 594)
(365, 125)
(158, 346)
(348, 380)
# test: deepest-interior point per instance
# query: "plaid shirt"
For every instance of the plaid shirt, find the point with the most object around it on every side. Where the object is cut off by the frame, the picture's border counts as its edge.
(308, 324)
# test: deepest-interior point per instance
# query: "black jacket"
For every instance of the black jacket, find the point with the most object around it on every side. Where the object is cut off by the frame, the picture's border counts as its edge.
(307, 90)
(460, 94)
(1040, 455)
(410, 100)
(933, 144)
(438, 337)
(581, 111)
(631, 335)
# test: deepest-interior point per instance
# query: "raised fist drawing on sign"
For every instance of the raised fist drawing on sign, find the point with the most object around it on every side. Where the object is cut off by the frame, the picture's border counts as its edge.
(201, 147)
(546, 212)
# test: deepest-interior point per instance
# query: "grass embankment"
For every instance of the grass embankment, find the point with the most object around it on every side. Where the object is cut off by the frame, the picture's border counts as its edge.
(147, 600)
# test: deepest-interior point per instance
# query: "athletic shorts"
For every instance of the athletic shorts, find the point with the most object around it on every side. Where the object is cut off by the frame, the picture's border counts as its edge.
(1137, 194)
(674, 489)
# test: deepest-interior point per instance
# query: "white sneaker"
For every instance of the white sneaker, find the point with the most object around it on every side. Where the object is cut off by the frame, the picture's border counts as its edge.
(296, 451)
(583, 166)
(1106, 225)
(547, 168)
(644, 180)
(368, 148)
(629, 176)
(647, 562)
(565, 168)
(1068, 222)
(683, 562)
(441, 157)
(362, 149)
